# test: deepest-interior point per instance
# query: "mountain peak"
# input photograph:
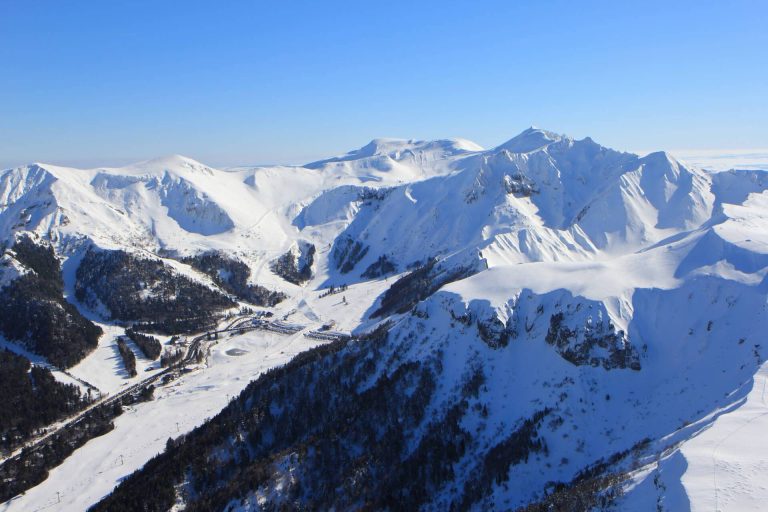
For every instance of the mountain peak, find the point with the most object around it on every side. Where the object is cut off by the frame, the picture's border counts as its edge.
(660, 157)
(530, 140)
(173, 162)
(396, 149)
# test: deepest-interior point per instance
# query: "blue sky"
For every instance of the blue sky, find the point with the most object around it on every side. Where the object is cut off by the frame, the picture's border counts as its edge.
(98, 83)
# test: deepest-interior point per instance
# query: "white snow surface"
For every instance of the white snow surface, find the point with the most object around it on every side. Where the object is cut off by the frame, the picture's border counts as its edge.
(674, 257)
(721, 468)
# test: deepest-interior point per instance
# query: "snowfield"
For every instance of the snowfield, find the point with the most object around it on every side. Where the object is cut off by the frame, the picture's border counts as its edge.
(625, 294)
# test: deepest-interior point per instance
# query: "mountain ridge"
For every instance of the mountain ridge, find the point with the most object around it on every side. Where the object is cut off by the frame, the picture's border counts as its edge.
(596, 284)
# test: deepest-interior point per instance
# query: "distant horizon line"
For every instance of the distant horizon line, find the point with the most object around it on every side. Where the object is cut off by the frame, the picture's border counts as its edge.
(687, 154)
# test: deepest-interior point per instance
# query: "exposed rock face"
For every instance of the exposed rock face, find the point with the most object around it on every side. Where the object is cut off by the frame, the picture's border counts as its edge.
(595, 345)
(519, 184)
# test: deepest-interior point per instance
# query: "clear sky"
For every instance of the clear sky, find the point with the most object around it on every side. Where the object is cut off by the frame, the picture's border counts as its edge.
(246, 82)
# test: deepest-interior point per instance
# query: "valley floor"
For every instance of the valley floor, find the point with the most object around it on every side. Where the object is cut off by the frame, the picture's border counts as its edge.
(143, 430)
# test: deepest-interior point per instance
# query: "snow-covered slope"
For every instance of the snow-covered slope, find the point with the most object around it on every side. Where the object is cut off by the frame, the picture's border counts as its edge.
(539, 196)
(559, 200)
(625, 295)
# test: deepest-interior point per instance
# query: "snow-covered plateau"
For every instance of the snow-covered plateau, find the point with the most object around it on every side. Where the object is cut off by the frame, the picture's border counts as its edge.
(545, 325)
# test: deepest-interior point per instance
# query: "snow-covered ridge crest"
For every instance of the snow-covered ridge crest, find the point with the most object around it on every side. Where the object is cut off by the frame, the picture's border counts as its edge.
(399, 149)
(565, 200)
(538, 197)
(398, 160)
(170, 163)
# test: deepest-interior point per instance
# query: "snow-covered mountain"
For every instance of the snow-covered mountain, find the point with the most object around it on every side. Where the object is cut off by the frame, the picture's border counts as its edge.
(562, 321)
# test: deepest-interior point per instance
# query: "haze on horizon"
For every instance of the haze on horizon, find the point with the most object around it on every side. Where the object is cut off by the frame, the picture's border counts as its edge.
(91, 83)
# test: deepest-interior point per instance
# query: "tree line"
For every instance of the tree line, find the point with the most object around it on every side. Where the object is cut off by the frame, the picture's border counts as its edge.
(149, 345)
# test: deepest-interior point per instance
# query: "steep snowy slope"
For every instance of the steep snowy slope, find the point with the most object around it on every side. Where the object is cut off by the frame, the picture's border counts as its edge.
(155, 202)
(540, 196)
(559, 200)
(721, 468)
(177, 205)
